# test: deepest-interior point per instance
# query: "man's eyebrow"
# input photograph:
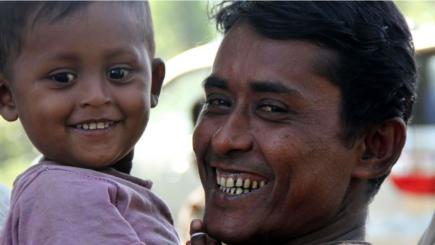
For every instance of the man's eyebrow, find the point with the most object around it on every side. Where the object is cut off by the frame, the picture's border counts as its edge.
(272, 87)
(214, 81)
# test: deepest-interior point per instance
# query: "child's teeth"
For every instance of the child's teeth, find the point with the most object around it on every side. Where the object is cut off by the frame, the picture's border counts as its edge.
(100, 125)
(94, 125)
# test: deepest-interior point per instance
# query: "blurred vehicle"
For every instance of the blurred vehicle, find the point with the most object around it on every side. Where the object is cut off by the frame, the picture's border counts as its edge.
(415, 170)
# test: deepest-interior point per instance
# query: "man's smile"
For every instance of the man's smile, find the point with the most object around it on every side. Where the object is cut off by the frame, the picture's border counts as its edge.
(237, 183)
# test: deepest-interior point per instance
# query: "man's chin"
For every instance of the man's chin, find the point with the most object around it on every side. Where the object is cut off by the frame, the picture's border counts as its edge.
(227, 230)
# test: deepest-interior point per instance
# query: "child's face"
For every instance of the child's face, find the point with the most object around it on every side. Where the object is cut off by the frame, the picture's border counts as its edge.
(81, 85)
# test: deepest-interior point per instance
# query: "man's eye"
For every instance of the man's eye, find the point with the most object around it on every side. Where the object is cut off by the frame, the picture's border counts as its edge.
(118, 73)
(217, 102)
(216, 105)
(63, 77)
(272, 108)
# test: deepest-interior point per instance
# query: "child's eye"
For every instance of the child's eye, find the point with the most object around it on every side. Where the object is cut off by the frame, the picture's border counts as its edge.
(118, 74)
(63, 77)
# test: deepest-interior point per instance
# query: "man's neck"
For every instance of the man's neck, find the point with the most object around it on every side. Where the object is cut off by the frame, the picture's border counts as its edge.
(347, 225)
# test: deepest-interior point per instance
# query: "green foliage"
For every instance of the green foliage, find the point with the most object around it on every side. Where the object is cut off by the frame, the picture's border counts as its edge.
(16, 151)
(418, 12)
(180, 25)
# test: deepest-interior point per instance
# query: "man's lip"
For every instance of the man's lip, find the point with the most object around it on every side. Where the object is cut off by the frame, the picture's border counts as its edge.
(232, 168)
(241, 173)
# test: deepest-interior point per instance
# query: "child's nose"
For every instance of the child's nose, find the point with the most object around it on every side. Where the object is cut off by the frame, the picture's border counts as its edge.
(95, 93)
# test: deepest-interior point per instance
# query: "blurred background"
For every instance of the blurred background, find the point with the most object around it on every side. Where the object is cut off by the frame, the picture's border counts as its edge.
(187, 40)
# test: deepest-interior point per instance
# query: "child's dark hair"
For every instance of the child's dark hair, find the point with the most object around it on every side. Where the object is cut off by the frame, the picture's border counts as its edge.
(374, 69)
(18, 17)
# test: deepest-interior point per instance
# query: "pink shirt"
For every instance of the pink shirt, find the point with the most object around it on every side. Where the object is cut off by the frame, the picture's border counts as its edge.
(54, 204)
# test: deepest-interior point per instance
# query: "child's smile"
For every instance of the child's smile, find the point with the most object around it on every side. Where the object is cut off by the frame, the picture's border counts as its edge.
(97, 125)
(96, 128)
(82, 91)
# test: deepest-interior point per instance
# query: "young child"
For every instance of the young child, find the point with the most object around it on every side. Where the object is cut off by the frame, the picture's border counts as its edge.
(81, 77)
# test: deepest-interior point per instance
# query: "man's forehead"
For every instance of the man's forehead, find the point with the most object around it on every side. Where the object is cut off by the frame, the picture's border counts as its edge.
(243, 46)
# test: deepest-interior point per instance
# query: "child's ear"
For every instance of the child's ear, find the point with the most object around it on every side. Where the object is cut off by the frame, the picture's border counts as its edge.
(7, 104)
(158, 74)
(380, 149)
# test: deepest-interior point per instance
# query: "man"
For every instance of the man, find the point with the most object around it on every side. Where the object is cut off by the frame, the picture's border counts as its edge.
(305, 115)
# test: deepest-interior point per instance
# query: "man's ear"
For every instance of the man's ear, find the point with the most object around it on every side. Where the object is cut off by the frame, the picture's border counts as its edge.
(7, 104)
(381, 148)
(158, 75)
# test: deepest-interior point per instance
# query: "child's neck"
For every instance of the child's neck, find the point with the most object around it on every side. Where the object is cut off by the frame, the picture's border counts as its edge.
(125, 164)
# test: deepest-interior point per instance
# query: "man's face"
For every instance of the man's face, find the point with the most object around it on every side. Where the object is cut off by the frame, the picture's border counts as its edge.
(81, 85)
(268, 143)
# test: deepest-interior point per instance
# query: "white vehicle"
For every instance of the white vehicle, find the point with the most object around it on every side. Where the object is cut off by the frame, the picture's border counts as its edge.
(415, 171)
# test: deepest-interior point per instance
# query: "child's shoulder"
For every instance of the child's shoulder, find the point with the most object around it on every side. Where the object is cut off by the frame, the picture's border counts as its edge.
(48, 179)
(50, 172)
(49, 196)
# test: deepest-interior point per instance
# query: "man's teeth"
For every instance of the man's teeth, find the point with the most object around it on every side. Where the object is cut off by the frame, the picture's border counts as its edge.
(238, 185)
(94, 125)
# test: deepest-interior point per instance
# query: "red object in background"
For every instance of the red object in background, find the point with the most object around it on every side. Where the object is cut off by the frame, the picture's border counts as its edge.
(415, 183)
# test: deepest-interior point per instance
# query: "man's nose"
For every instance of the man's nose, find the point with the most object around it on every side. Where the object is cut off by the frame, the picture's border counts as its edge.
(95, 92)
(234, 136)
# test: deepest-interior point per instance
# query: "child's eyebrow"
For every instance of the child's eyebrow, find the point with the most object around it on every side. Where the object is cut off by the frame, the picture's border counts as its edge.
(117, 52)
(62, 57)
